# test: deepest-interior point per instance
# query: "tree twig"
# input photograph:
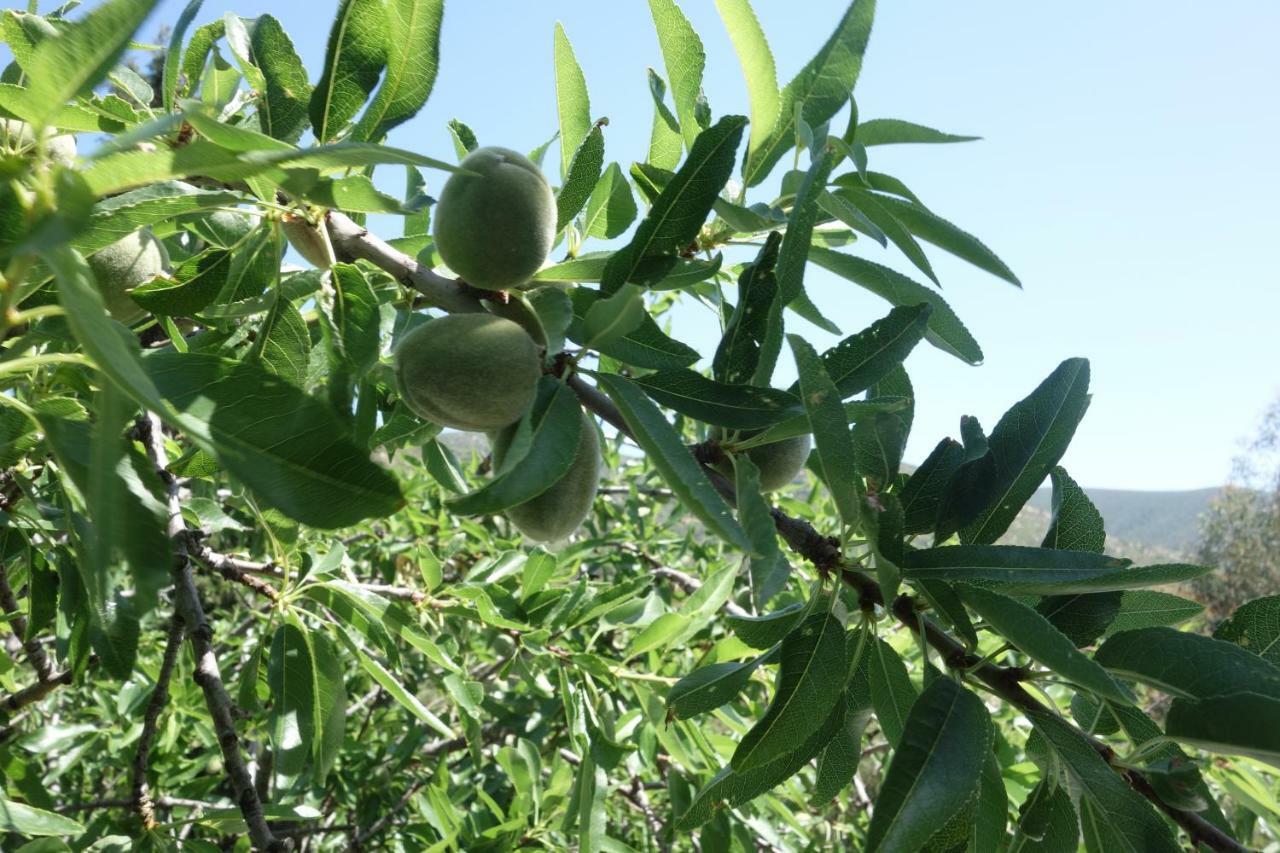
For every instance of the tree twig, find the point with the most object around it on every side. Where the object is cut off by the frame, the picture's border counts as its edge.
(229, 568)
(35, 652)
(34, 692)
(142, 801)
(207, 675)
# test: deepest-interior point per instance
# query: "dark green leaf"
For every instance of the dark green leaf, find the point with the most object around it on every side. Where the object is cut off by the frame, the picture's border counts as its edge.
(196, 282)
(292, 718)
(1083, 618)
(1148, 609)
(892, 693)
(1234, 724)
(708, 687)
(769, 569)
(832, 441)
(934, 229)
(872, 207)
(762, 632)
(862, 359)
(752, 336)
(645, 346)
(794, 254)
(1189, 665)
(811, 679)
(922, 494)
(356, 54)
(892, 131)
(1077, 524)
(734, 406)
(935, 768)
(1047, 822)
(580, 181)
(1254, 626)
(413, 57)
(282, 103)
(878, 444)
(667, 451)
(839, 760)
(611, 208)
(610, 318)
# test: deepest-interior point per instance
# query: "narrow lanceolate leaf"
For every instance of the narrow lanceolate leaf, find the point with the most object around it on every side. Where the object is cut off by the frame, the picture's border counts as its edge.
(1188, 665)
(1083, 618)
(665, 143)
(354, 59)
(1009, 564)
(934, 229)
(556, 425)
(1147, 608)
(282, 103)
(395, 688)
(572, 102)
(922, 495)
(194, 283)
(678, 212)
(987, 493)
(611, 208)
(644, 346)
(752, 337)
(945, 330)
(1036, 637)
(1077, 525)
(820, 89)
(987, 834)
(730, 787)
(1131, 822)
(768, 568)
(892, 693)
(811, 679)
(1254, 626)
(935, 768)
(29, 820)
(839, 760)
(667, 451)
(581, 177)
(794, 254)
(413, 57)
(1047, 821)
(292, 721)
(709, 687)
(684, 58)
(173, 56)
(288, 447)
(734, 406)
(892, 131)
(872, 207)
(613, 317)
(831, 438)
(79, 56)
(1233, 724)
(862, 359)
(757, 67)
(654, 273)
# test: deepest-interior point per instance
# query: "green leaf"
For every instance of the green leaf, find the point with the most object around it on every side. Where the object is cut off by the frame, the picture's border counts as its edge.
(935, 768)
(1150, 609)
(832, 441)
(922, 495)
(28, 820)
(878, 444)
(556, 423)
(767, 630)
(657, 634)
(612, 317)
(581, 178)
(646, 346)
(945, 330)
(173, 56)
(282, 103)
(892, 693)
(730, 787)
(708, 687)
(358, 48)
(685, 59)
(115, 217)
(392, 685)
(839, 760)
(811, 680)
(1187, 665)
(1105, 798)
(413, 58)
(80, 56)
(820, 89)
(769, 570)
(1011, 564)
(871, 207)
(1047, 822)
(666, 450)
(653, 273)
(284, 445)
(665, 143)
(1076, 523)
(934, 229)
(611, 208)
(1234, 724)
(677, 214)
(799, 425)
(988, 832)
(464, 138)
(757, 64)
(986, 494)
(862, 359)
(752, 338)
(734, 406)
(195, 283)
(1254, 626)
(1083, 618)
(391, 618)
(572, 102)
(291, 722)
(794, 254)
(1035, 636)
(892, 131)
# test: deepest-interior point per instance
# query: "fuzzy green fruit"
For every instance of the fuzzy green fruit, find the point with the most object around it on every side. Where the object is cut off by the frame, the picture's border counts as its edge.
(472, 372)
(495, 228)
(561, 509)
(778, 462)
(124, 265)
(17, 135)
(229, 227)
(308, 240)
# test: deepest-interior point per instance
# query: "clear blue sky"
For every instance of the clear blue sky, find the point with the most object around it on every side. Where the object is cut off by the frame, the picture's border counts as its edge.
(1127, 174)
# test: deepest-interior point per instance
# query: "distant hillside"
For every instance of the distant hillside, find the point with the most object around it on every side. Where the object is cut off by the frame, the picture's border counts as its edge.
(1165, 520)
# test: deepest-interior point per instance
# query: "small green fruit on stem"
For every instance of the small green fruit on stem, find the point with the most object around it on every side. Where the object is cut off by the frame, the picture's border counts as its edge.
(779, 461)
(495, 228)
(124, 265)
(471, 372)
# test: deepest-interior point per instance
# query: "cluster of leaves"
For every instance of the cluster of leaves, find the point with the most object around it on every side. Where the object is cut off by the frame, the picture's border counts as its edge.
(403, 671)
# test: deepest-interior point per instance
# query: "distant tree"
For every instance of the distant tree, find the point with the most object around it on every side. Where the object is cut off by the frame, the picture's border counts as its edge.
(1241, 532)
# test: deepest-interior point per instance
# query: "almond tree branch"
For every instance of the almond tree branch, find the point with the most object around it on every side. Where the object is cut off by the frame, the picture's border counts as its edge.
(352, 241)
(142, 802)
(35, 652)
(34, 693)
(207, 674)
